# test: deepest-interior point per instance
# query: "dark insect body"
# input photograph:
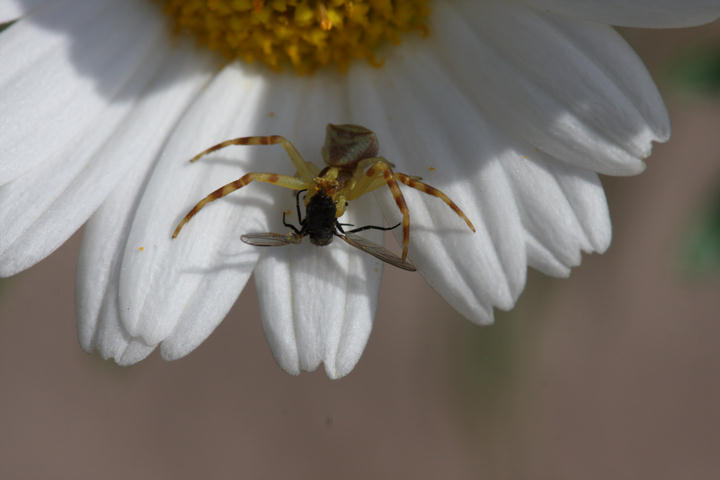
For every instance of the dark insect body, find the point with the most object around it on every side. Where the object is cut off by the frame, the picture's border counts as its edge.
(320, 224)
(320, 220)
(353, 168)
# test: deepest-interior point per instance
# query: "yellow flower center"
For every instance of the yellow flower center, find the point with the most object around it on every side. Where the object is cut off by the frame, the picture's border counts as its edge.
(307, 34)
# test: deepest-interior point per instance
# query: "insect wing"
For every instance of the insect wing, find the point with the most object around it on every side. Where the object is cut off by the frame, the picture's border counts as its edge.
(270, 239)
(377, 251)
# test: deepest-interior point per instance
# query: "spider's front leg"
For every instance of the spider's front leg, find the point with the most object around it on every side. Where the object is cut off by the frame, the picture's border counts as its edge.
(415, 183)
(285, 181)
(381, 173)
(306, 170)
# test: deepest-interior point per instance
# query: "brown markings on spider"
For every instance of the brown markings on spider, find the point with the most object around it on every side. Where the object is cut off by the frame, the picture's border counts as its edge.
(352, 169)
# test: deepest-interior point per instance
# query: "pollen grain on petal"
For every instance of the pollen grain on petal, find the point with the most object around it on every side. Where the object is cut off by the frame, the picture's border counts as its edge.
(303, 34)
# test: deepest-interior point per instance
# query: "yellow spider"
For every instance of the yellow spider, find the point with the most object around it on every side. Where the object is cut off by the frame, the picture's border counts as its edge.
(353, 168)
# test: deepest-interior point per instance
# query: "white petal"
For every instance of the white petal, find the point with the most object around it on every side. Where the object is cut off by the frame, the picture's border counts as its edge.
(448, 137)
(9, 11)
(98, 272)
(41, 211)
(160, 286)
(576, 91)
(208, 306)
(403, 142)
(13, 9)
(136, 143)
(266, 117)
(99, 327)
(563, 210)
(635, 13)
(54, 91)
(521, 201)
(318, 303)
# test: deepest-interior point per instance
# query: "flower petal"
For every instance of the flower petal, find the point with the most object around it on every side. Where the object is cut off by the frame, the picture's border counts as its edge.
(526, 206)
(136, 143)
(635, 13)
(161, 286)
(99, 327)
(441, 143)
(562, 208)
(575, 91)
(268, 118)
(318, 303)
(13, 9)
(41, 211)
(61, 70)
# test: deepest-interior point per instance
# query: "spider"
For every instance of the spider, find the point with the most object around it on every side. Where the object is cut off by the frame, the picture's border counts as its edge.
(353, 168)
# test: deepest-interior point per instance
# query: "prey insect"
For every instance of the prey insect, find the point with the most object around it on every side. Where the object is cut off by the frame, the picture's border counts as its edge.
(352, 169)
(321, 225)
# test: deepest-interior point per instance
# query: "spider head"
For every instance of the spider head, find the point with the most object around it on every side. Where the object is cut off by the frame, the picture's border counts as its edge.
(346, 144)
(327, 182)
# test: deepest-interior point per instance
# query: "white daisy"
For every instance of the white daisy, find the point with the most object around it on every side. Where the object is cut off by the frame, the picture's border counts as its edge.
(511, 108)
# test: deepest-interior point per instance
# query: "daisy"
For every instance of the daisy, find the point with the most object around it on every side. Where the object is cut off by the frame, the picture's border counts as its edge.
(511, 108)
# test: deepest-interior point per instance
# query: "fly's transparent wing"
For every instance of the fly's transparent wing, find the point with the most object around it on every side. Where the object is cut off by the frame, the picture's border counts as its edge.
(377, 251)
(270, 239)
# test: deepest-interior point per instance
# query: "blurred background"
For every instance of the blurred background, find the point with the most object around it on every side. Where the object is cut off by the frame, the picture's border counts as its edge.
(612, 373)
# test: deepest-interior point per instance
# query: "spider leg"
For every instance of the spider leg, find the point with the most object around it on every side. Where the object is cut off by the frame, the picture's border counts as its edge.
(425, 188)
(306, 170)
(414, 182)
(285, 181)
(364, 180)
(381, 172)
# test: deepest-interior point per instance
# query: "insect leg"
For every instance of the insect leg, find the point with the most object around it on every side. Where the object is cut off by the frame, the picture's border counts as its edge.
(286, 181)
(372, 227)
(290, 225)
(303, 168)
(297, 204)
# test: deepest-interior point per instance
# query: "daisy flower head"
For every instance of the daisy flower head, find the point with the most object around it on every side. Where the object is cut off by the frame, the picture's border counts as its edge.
(512, 108)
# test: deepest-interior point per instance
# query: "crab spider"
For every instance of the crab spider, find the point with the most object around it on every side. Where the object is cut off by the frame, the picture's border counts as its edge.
(353, 168)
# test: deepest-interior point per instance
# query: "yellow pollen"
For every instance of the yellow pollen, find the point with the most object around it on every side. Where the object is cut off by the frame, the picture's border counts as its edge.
(305, 34)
